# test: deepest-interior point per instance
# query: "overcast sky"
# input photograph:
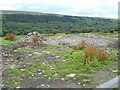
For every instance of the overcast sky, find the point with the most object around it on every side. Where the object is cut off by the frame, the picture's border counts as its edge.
(94, 8)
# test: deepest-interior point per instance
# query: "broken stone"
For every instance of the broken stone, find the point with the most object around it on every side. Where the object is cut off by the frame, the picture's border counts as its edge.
(42, 85)
(85, 80)
(84, 85)
(47, 52)
(49, 78)
(37, 53)
(78, 83)
(22, 69)
(71, 75)
(45, 75)
(114, 71)
(62, 79)
(32, 75)
(48, 85)
(64, 60)
(18, 87)
(57, 56)
(40, 73)
(39, 70)
(11, 60)
(55, 74)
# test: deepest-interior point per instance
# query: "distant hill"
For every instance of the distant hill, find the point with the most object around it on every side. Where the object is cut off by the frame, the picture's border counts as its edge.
(21, 22)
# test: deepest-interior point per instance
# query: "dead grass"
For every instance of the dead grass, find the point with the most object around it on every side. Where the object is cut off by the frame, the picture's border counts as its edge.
(92, 54)
(10, 36)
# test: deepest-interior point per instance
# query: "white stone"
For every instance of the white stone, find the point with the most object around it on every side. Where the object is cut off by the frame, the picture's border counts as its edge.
(37, 53)
(57, 56)
(22, 69)
(39, 69)
(39, 73)
(85, 80)
(62, 79)
(55, 74)
(12, 66)
(49, 78)
(84, 85)
(64, 60)
(17, 87)
(114, 71)
(45, 75)
(30, 54)
(42, 85)
(32, 75)
(48, 85)
(71, 75)
(47, 52)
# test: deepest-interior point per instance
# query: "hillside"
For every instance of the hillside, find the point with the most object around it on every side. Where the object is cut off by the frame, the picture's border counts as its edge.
(21, 22)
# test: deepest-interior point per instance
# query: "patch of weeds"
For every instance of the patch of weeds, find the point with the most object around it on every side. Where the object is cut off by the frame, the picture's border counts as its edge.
(93, 54)
(49, 73)
(10, 50)
(17, 51)
(7, 42)
(118, 73)
(61, 65)
(15, 69)
(44, 66)
(80, 46)
(85, 82)
(30, 68)
(30, 74)
(10, 36)
(83, 76)
(48, 47)
(30, 63)
(16, 81)
(37, 56)
(114, 55)
(65, 72)
(36, 39)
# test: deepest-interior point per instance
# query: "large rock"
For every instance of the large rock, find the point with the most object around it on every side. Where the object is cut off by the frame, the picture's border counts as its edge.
(31, 35)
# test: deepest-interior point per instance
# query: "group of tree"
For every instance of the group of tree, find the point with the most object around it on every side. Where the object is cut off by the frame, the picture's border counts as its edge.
(20, 23)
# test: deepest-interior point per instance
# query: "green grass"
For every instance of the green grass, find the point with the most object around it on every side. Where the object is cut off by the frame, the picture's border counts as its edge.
(14, 69)
(8, 42)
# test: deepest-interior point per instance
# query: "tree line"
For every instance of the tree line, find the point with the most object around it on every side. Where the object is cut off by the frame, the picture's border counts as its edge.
(25, 23)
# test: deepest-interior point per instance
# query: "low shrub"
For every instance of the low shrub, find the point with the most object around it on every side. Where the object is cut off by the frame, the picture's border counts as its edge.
(10, 36)
(36, 39)
(80, 46)
(103, 55)
(92, 54)
(83, 44)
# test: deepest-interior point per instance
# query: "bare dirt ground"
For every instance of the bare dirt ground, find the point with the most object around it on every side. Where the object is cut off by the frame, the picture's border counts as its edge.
(98, 41)
(41, 82)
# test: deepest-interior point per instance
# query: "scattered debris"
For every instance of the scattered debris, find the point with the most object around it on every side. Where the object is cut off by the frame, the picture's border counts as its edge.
(71, 75)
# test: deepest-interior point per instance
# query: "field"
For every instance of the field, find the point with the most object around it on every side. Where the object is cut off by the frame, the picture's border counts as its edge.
(50, 65)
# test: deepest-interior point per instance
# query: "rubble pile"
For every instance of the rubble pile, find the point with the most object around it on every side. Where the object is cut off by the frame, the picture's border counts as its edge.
(31, 35)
